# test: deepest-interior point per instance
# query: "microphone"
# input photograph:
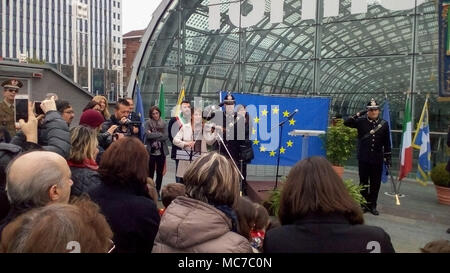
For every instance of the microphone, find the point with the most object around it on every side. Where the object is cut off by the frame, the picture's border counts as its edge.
(292, 114)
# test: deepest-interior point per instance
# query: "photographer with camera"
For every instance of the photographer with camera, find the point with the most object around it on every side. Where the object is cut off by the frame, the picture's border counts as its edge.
(134, 117)
(119, 125)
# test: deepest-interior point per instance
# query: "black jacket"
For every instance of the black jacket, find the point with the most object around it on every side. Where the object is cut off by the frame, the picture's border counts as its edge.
(326, 234)
(371, 147)
(236, 134)
(173, 127)
(131, 213)
(54, 135)
(83, 180)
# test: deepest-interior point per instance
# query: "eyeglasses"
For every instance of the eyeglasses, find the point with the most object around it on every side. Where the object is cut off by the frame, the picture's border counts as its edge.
(113, 246)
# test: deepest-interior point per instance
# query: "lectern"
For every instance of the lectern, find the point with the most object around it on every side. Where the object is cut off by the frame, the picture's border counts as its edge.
(305, 134)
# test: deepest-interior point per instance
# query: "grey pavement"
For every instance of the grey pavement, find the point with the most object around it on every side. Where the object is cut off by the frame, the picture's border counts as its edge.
(418, 220)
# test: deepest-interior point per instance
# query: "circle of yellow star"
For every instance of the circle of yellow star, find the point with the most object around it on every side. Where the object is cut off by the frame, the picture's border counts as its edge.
(272, 153)
(264, 112)
(253, 131)
(255, 142)
(290, 143)
(262, 149)
(292, 122)
(256, 120)
(275, 110)
(282, 150)
(286, 114)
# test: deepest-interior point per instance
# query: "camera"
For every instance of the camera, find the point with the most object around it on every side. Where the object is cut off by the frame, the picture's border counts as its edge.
(128, 124)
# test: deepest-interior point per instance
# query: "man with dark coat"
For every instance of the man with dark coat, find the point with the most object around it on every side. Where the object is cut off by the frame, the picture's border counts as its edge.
(117, 124)
(234, 128)
(374, 150)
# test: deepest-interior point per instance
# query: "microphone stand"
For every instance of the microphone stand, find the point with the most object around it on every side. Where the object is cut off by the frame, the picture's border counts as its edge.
(279, 143)
(228, 152)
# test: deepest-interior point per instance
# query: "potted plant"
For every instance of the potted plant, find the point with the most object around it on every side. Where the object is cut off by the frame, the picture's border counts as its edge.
(273, 203)
(340, 144)
(441, 179)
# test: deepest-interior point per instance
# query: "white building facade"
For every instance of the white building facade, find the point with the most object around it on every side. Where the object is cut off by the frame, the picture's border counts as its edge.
(48, 30)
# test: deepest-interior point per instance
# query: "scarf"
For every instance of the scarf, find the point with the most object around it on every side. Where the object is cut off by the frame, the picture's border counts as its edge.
(230, 213)
(156, 125)
(87, 163)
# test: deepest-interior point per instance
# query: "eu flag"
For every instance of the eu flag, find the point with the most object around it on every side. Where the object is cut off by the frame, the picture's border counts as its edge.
(140, 110)
(266, 112)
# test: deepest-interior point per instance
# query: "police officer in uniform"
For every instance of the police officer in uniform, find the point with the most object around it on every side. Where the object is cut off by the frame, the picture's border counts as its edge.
(10, 89)
(374, 150)
(234, 128)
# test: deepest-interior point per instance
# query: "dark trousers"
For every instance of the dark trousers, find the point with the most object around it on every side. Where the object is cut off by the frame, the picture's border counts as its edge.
(372, 172)
(157, 163)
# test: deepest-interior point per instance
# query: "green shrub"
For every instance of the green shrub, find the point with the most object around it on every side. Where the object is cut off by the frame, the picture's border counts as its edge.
(355, 191)
(273, 203)
(340, 141)
(440, 176)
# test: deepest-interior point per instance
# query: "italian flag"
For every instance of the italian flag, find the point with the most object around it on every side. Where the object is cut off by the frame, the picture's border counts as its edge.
(406, 150)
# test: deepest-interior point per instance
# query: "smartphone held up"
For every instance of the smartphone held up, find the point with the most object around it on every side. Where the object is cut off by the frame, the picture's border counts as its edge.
(21, 108)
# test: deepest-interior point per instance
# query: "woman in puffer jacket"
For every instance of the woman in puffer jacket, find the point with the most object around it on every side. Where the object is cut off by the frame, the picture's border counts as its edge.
(205, 221)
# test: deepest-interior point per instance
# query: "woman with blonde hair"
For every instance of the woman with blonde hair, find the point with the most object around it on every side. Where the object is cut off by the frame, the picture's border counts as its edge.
(204, 221)
(82, 157)
(103, 102)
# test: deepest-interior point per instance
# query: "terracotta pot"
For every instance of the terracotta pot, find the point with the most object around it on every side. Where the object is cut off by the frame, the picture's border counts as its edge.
(339, 170)
(443, 195)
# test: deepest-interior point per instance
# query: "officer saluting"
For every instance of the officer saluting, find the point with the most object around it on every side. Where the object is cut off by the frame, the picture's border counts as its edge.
(10, 89)
(374, 148)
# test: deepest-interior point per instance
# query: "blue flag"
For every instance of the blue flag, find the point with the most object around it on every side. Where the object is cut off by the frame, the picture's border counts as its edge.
(387, 118)
(421, 141)
(140, 110)
(266, 112)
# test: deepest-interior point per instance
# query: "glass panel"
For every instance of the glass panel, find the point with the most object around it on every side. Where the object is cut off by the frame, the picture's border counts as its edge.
(374, 10)
(430, 6)
(203, 3)
(212, 49)
(363, 79)
(150, 83)
(294, 43)
(367, 37)
(292, 16)
(161, 53)
(167, 27)
(279, 78)
(207, 81)
(427, 33)
(197, 23)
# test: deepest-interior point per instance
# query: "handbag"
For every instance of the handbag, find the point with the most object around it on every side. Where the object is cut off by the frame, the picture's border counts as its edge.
(246, 152)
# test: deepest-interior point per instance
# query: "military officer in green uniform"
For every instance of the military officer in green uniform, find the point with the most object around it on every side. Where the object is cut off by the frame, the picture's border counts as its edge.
(10, 89)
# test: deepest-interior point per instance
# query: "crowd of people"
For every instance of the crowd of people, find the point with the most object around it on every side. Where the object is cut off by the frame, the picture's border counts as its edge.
(89, 187)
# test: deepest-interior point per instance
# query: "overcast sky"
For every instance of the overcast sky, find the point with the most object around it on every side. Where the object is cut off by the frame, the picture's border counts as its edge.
(137, 13)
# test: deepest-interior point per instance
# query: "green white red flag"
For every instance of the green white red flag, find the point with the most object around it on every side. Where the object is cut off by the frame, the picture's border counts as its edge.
(406, 151)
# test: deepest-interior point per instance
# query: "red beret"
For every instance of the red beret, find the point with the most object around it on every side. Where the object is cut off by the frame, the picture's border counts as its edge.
(91, 118)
